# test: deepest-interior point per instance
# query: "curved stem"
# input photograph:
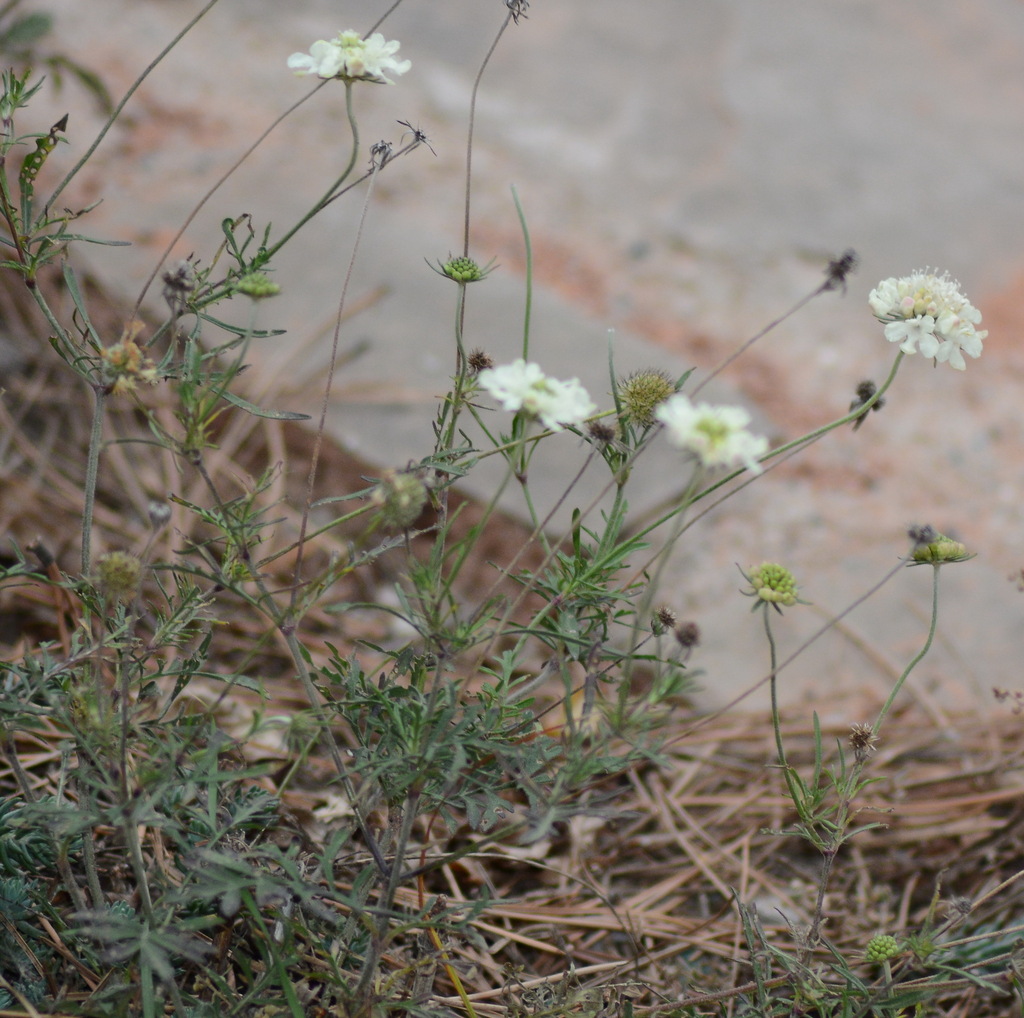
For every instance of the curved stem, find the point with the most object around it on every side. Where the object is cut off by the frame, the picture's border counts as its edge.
(469, 139)
(528, 248)
(329, 383)
(917, 659)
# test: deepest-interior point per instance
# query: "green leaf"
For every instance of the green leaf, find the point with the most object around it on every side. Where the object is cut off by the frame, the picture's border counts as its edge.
(274, 415)
(25, 32)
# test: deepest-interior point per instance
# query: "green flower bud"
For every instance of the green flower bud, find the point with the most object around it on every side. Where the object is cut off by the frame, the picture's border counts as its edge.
(642, 393)
(400, 498)
(118, 575)
(772, 584)
(882, 948)
(932, 548)
(257, 285)
(463, 270)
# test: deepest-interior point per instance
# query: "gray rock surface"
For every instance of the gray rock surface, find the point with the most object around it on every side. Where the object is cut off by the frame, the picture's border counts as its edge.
(686, 168)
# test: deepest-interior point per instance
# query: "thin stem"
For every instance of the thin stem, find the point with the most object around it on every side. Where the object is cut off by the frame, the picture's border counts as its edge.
(914, 663)
(92, 465)
(817, 634)
(763, 332)
(210, 193)
(335, 340)
(791, 783)
(121, 105)
(670, 506)
(469, 138)
(528, 248)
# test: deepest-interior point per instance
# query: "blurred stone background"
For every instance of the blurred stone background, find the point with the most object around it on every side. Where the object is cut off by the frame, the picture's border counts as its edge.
(686, 170)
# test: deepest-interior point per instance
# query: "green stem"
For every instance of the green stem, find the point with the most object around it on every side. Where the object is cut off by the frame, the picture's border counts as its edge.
(812, 436)
(469, 136)
(330, 193)
(924, 650)
(91, 474)
(794, 791)
(528, 247)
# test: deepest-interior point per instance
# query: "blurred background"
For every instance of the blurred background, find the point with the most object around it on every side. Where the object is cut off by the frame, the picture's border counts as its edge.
(686, 174)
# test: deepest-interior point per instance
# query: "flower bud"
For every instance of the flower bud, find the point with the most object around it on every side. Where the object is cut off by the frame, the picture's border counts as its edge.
(882, 948)
(772, 584)
(400, 498)
(118, 575)
(257, 285)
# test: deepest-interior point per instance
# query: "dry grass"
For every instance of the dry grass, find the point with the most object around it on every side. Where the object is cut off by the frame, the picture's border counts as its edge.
(639, 896)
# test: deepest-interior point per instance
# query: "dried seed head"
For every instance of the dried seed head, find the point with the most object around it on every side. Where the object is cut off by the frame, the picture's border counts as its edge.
(862, 741)
(662, 620)
(118, 575)
(602, 432)
(479, 361)
(865, 390)
(838, 269)
(688, 635)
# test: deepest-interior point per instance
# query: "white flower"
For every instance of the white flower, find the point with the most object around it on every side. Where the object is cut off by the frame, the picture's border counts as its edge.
(717, 435)
(324, 59)
(927, 314)
(377, 56)
(351, 57)
(521, 386)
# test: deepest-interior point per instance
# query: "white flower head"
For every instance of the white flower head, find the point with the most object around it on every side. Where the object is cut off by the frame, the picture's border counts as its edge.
(324, 59)
(351, 57)
(522, 386)
(926, 313)
(716, 435)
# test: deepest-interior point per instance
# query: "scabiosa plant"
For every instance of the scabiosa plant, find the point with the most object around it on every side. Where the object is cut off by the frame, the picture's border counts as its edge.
(351, 58)
(522, 386)
(926, 313)
(716, 435)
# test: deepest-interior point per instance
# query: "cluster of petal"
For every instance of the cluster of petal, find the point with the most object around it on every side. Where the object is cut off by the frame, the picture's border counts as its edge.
(522, 386)
(773, 584)
(927, 314)
(351, 57)
(716, 435)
